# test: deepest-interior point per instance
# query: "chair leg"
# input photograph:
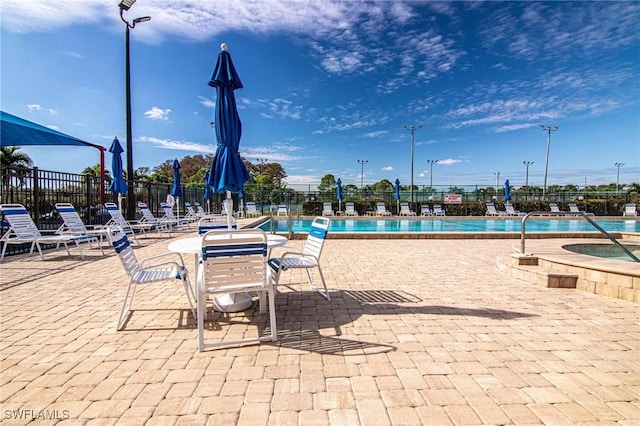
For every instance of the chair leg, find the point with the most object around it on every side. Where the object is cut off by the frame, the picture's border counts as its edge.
(188, 290)
(201, 306)
(126, 305)
(324, 293)
(272, 313)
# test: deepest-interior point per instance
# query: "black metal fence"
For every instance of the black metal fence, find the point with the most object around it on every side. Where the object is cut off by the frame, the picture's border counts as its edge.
(39, 190)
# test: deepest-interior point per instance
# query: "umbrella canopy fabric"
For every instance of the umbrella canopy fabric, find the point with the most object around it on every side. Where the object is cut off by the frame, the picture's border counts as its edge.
(207, 187)
(118, 185)
(397, 185)
(339, 194)
(507, 190)
(176, 188)
(228, 172)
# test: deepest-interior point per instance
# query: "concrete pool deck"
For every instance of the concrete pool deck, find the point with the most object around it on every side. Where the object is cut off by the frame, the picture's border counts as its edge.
(417, 332)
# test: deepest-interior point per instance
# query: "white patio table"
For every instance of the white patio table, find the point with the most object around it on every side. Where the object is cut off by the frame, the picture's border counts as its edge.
(223, 303)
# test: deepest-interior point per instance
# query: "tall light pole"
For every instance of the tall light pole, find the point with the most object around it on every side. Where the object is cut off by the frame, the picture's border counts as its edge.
(131, 196)
(618, 165)
(548, 129)
(413, 130)
(362, 163)
(431, 163)
(526, 181)
(497, 182)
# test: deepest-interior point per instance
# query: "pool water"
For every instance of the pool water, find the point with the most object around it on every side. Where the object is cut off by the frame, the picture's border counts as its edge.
(455, 225)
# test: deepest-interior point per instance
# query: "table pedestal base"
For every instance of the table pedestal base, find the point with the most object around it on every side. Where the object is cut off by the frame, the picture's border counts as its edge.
(234, 302)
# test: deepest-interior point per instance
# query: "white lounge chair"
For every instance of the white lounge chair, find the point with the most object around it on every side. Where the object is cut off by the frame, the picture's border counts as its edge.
(309, 257)
(438, 211)
(282, 210)
(573, 208)
(74, 225)
(159, 225)
(200, 210)
(511, 211)
(169, 216)
(405, 210)
(630, 209)
(555, 209)
(327, 209)
(381, 210)
(191, 213)
(140, 273)
(251, 209)
(234, 262)
(492, 210)
(22, 230)
(118, 220)
(425, 210)
(350, 210)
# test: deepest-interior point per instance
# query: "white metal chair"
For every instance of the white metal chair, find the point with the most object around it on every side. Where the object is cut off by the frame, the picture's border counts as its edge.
(573, 208)
(630, 210)
(234, 262)
(438, 211)
(74, 225)
(251, 209)
(282, 210)
(405, 210)
(150, 270)
(309, 257)
(327, 209)
(200, 211)
(425, 210)
(191, 213)
(555, 209)
(350, 210)
(381, 210)
(148, 217)
(128, 227)
(23, 230)
(169, 216)
(511, 210)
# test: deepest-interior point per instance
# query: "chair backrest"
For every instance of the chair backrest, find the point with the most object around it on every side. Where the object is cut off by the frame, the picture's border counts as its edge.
(510, 209)
(437, 208)
(146, 213)
(190, 209)
(282, 210)
(424, 209)
(554, 207)
(316, 237)
(349, 207)
(20, 221)
(491, 208)
(199, 208)
(123, 249)
(233, 259)
(168, 212)
(116, 215)
(215, 222)
(404, 207)
(630, 208)
(72, 220)
(251, 207)
(327, 207)
(381, 208)
(574, 208)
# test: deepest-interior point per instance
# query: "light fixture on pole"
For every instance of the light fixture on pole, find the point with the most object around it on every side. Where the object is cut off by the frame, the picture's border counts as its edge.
(362, 163)
(497, 182)
(431, 163)
(618, 165)
(526, 181)
(413, 130)
(131, 196)
(548, 129)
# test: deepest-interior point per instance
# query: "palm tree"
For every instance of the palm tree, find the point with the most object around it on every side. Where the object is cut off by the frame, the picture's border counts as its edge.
(13, 163)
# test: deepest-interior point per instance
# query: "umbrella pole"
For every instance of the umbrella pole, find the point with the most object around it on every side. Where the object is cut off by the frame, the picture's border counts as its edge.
(120, 202)
(228, 203)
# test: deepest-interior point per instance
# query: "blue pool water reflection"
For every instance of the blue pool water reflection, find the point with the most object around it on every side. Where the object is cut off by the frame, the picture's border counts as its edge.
(456, 225)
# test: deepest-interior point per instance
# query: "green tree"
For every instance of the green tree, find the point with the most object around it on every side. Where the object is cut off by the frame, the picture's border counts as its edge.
(16, 164)
(327, 188)
(94, 171)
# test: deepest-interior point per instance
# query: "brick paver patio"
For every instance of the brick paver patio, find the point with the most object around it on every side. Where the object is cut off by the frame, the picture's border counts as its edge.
(417, 332)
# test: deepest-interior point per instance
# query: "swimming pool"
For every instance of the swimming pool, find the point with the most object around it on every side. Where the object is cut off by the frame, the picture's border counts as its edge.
(471, 225)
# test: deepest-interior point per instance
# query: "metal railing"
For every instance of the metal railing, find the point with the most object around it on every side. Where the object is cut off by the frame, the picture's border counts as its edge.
(578, 214)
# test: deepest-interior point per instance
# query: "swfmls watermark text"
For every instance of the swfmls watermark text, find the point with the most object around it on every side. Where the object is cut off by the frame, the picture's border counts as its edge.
(35, 414)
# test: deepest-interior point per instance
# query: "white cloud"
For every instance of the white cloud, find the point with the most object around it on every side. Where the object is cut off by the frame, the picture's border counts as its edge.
(156, 113)
(449, 161)
(179, 145)
(387, 169)
(34, 107)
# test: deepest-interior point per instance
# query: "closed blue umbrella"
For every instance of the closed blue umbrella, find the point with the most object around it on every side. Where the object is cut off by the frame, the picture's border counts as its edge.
(339, 194)
(397, 195)
(507, 191)
(118, 184)
(176, 188)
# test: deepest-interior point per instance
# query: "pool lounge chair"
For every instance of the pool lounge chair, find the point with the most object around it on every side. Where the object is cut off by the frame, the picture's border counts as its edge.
(511, 210)
(573, 208)
(493, 211)
(327, 209)
(282, 210)
(438, 211)
(251, 210)
(191, 213)
(74, 225)
(350, 210)
(148, 217)
(169, 216)
(630, 210)
(425, 210)
(200, 210)
(22, 230)
(381, 210)
(129, 228)
(555, 209)
(149, 270)
(308, 259)
(405, 210)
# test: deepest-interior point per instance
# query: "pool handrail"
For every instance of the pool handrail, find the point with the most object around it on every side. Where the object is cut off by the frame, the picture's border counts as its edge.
(580, 214)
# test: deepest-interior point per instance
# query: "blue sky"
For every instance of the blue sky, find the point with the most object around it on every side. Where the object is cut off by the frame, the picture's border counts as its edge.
(328, 83)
